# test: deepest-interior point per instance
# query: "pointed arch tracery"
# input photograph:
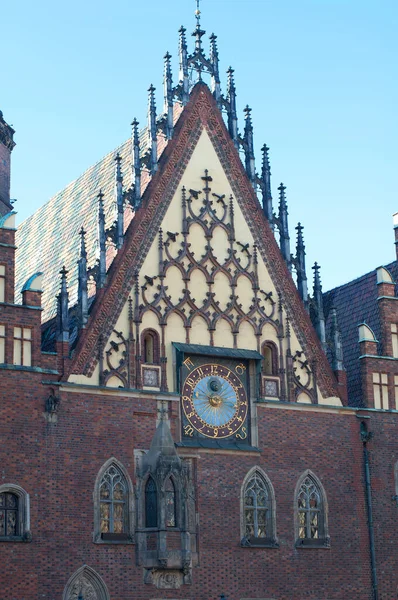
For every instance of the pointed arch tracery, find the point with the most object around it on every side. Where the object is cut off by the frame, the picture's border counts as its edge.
(87, 584)
(311, 512)
(113, 504)
(258, 510)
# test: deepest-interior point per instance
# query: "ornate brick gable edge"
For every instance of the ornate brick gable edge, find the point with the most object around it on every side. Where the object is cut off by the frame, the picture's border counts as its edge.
(200, 112)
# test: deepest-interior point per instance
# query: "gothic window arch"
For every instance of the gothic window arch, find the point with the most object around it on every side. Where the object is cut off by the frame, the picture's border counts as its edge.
(113, 504)
(170, 503)
(151, 503)
(310, 509)
(269, 352)
(14, 514)
(258, 510)
(150, 345)
(85, 584)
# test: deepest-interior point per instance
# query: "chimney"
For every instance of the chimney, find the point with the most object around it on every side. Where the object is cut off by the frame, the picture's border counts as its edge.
(6, 145)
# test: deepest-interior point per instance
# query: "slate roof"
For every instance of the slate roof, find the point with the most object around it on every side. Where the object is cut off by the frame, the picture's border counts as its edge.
(356, 302)
(49, 238)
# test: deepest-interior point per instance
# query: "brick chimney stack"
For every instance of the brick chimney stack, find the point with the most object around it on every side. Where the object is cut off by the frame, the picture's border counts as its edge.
(6, 146)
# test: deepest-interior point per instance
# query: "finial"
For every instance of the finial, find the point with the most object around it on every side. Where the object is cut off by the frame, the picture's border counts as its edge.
(215, 76)
(152, 130)
(282, 222)
(198, 33)
(266, 186)
(168, 95)
(299, 263)
(82, 282)
(248, 144)
(183, 54)
(63, 309)
(101, 276)
(318, 316)
(82, 234)
(119, 203)
(231, 108)
(135, 143)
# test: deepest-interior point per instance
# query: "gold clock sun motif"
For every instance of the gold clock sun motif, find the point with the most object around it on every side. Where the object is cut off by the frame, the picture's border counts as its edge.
(214, 401)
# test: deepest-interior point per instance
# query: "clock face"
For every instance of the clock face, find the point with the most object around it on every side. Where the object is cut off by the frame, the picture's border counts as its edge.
(214, 401)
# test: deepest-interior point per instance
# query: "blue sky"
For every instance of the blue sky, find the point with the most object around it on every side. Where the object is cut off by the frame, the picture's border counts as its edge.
(320, 76)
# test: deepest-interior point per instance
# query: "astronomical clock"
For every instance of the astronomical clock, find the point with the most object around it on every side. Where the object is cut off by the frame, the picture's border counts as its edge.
(215, 400)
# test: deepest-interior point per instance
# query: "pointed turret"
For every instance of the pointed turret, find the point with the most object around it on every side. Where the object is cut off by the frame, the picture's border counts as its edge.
(168, 95)
(215, 78)
(248, 145)
(183, 54)
(319, 315)
(82, 281)
(153, 159)
(135, 143)
(63, 309)
(6, 146)
(231, 108)
(299, 263)
(101, 276)
(162, 448)
(283, 226)
(266, 186)
(119, 202)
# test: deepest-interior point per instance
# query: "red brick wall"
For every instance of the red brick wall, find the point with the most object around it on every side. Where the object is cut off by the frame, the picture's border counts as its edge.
(57, 464)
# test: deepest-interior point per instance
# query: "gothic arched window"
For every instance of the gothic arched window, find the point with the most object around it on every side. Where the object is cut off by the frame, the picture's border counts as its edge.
(258, 510)
(270, 358)
(113, 501)
(150, 346)
(113, 504)
(311, 518)
(151, 504)
(14, 514)
(85, 584)
(170, 500)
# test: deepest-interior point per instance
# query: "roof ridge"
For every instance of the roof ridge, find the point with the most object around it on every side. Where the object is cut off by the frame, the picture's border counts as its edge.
(364, 276)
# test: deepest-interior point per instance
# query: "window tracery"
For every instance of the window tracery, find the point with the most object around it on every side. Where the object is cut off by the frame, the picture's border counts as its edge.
(14, 514)
(170, 502)
(258, 510)
(151, 503)
(85, 584)
(311, 517)
(113, 505)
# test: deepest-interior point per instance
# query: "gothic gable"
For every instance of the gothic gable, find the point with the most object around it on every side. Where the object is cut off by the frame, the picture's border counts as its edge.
(200, 265)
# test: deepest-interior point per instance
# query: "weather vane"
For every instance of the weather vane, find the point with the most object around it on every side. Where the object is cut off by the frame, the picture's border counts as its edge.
(197, 12)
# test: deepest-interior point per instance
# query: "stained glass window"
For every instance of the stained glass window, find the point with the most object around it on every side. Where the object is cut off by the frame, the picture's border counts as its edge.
(256, 508)
(8, 514)
(309, 503)
(151, 504)
(170, 499)
(113, 502)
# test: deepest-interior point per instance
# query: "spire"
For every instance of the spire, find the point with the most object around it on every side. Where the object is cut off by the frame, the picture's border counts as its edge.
(319, 316)
(183, 52)
(266, 186)
(102, 242)
(168, 95)
(162, 449)
(336, 342)
(82, 281)
(135, 143)
(215, 77)
(152, 131)
(199, 32)
(282, 222)
(249, 147)
(231, 108)
(299, 263)
(63, 309)
(119, 202)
